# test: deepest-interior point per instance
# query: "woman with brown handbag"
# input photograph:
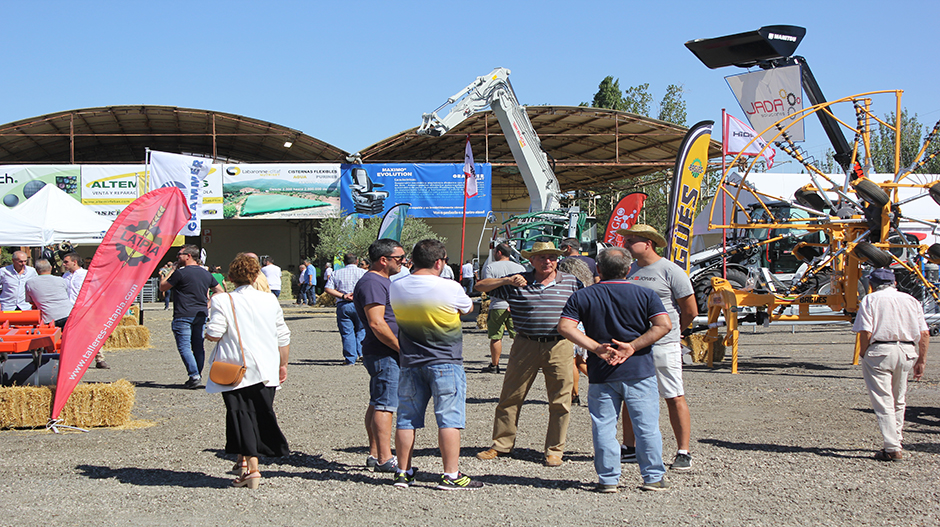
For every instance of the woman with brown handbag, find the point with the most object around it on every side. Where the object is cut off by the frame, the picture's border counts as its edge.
(252, 335)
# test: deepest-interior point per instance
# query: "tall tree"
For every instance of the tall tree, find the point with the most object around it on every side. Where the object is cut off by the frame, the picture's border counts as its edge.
(672, 107)
(338, 236)
(637, 99)
(882, 146)
(608, 94)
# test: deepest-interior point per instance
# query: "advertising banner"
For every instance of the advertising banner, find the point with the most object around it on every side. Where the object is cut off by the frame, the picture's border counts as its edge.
(281, 191)
(127, 256)
(433, 190)
(767, 96)
(19, 182)
(212, 194)
(625, 215)
(186, 173)
(688, 174)
(108, 189)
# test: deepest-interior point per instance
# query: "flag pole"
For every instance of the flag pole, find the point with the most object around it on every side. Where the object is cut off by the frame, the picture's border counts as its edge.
(463, 226)
(724, 157)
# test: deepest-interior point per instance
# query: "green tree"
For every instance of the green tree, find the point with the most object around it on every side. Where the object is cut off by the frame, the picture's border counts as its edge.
(882, 147)
(608, 94)
(339, 236)
(637, 99)
(672, 107)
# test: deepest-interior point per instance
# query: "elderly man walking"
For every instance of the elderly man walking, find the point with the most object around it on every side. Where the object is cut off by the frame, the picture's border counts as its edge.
(341, 285)
(535, 301)
(893, 340)
(671, 283)
(13, 279)
(621, 322)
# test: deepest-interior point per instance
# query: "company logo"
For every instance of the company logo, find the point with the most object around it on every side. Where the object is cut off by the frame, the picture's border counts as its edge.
(176, 184)
(696, 168)
(232, 171)
(778, 36)
(210, 211)
(140, 243)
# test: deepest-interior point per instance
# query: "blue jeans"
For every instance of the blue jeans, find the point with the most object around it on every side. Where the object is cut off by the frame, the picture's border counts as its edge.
(189, 341)
(642, 399)
(446, 383)
(351, 330)
(383, 382)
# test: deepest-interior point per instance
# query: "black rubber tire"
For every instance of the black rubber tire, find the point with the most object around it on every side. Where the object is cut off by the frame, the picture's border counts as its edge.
(703, 286)
(806, 253)
(935, 192)
(811, 199)
(871, 192)
(813, 283)
(933, 253)
(868, 253)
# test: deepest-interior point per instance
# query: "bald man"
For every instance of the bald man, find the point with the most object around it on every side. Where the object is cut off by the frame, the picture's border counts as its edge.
(13, 279)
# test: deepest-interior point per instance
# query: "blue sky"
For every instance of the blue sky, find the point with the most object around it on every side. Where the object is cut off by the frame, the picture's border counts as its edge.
(352, 73)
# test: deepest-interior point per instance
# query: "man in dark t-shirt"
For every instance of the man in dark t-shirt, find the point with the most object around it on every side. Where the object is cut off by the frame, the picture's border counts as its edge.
(621, 322)
(380, 350)
(190, 284)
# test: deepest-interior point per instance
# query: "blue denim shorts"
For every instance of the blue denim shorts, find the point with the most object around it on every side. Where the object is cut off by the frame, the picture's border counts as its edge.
(383, 382)
(447, 383)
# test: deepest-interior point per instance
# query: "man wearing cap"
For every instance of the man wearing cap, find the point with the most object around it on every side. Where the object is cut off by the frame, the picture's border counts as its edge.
(893, 339)
(498, 320)
(535, 301)
(572, 249)
(672, 285)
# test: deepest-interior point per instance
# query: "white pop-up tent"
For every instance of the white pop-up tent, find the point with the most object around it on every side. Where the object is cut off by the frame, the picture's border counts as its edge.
(21, 231)
(68, 219)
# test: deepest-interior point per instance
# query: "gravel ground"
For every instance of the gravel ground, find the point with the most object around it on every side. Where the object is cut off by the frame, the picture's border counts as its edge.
(787, 441)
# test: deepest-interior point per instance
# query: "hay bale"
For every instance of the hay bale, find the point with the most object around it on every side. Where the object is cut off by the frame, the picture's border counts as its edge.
(325, 300)
(90, 405)
(128, 320)
(128, 337)
(484, 312)
(696, 342)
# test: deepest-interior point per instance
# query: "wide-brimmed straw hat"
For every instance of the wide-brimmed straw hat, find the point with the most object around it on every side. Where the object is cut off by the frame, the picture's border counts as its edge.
(644, 231)
(542, 248)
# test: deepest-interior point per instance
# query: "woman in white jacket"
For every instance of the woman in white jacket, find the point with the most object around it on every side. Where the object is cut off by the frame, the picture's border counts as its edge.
(250, 423)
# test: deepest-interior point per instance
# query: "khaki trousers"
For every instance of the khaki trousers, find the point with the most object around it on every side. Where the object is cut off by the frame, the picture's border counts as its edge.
(526, 358)
(885, 368)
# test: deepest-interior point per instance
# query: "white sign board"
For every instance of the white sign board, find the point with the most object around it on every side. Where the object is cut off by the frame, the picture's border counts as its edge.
(767, 96)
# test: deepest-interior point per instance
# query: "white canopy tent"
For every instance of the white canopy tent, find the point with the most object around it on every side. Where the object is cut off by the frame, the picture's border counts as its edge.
(22, 231)
(68, 219)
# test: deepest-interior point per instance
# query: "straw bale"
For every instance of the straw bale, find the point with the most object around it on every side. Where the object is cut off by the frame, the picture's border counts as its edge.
(128, 337)
(128, 320)
(325, 300)
(696, 342)
(484, 311)
(90, 405)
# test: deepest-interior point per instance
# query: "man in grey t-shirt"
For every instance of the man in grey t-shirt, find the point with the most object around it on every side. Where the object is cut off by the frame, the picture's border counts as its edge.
(49, 294)
(498, 320)
(672, 285)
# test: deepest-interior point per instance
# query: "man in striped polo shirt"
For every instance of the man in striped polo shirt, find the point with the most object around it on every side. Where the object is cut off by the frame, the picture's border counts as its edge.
(341, 285)
(536, 299)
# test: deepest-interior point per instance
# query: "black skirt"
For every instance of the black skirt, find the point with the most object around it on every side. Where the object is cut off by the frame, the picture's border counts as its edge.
(250, 423)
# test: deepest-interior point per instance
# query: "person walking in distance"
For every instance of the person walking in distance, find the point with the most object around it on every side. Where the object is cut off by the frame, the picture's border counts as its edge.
(341, 285)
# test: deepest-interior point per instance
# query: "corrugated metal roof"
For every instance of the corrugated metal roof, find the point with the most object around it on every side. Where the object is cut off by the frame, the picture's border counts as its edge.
(120, 134)
(591, 147)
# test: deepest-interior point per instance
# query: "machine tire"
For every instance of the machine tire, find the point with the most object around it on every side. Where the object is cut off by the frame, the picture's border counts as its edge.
(811, 199)
(867, 252)
(933, 253)
(935, 192)
(703, 286)
(871, 192)
(812, 284)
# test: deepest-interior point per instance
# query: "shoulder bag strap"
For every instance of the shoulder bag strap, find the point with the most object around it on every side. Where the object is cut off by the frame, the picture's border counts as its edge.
(237, 331)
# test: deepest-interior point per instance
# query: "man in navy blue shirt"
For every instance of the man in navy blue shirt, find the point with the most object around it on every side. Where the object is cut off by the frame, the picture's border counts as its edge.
(621, 322)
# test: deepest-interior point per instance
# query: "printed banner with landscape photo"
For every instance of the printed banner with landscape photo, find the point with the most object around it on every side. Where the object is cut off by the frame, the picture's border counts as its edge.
(282, 191)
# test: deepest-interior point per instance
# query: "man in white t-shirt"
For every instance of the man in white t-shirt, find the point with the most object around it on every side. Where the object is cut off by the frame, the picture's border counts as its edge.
(273, 274)
(466, 276)
(74, 274)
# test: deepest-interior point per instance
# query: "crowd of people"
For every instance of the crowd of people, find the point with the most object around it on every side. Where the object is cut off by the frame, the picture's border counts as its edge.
(618, 320)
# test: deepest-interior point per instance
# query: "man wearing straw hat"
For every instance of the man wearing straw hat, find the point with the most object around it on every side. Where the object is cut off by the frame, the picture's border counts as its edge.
(671, 283)
(536, 299)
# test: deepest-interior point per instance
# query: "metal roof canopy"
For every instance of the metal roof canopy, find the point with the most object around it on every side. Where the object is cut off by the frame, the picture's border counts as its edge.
(592, 147)
(120, 134)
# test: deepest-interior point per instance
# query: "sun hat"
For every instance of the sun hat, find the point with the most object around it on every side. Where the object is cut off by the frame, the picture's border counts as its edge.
(644, 231)
(540, 248)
